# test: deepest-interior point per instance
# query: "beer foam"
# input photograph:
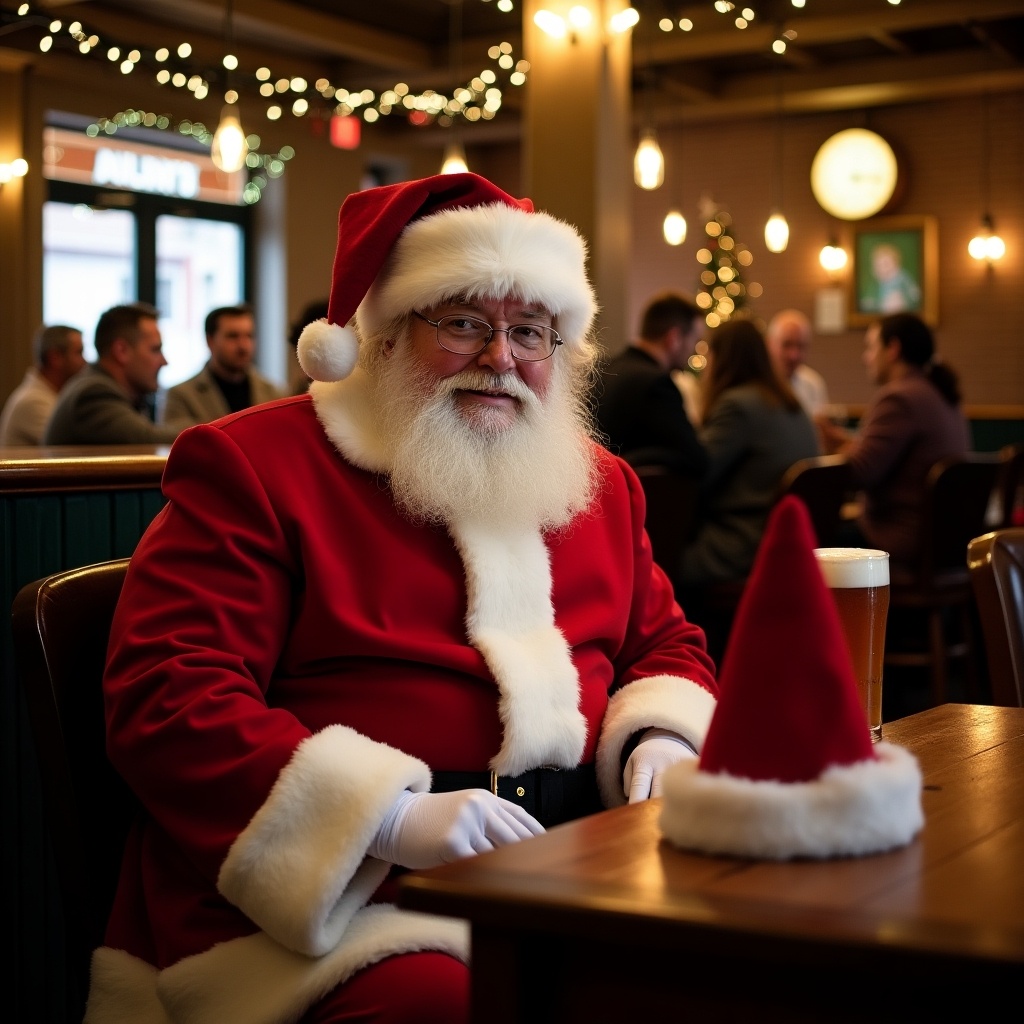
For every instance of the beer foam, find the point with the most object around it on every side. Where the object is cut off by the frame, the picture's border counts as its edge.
(849, 568)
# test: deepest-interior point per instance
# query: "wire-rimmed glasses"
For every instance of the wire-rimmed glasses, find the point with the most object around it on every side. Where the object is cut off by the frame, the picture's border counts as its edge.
(469, 336)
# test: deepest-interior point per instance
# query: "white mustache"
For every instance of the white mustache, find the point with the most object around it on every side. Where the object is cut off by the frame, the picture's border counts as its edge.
(478, 380)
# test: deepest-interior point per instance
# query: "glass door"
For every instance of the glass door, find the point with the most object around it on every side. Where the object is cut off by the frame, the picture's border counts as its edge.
(103, 247)
(89, 262)
(199, 266)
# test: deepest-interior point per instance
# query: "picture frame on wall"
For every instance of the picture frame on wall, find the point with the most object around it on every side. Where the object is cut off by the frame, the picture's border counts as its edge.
(895, 269)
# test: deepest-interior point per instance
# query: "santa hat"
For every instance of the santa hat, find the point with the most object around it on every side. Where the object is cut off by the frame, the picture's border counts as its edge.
(788, 768)
(411, 245)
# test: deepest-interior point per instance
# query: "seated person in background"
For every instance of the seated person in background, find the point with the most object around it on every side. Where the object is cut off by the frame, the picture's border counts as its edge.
(228, 382)
(754, 429)
(57, 357)
(363, 604)
(914, 420)
(107, 403)
(298, 381)
(640, 410)
(788, 338)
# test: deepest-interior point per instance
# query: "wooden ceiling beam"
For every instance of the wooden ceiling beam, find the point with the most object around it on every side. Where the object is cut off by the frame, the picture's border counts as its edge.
(829, 27)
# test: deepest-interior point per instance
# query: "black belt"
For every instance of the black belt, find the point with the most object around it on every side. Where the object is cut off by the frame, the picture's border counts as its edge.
(551, 795)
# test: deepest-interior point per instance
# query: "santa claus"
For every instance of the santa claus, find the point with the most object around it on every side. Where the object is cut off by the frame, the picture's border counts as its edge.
(405, 618)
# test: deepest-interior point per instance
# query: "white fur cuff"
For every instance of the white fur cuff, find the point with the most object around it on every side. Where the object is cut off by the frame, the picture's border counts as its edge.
(850, 810)
(664, 702)
(299, 870)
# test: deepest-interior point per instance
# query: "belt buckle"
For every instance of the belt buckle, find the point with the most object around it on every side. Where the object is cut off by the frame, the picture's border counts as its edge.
(520, 790)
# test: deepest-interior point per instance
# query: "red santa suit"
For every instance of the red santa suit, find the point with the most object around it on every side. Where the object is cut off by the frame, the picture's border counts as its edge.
(291, 653)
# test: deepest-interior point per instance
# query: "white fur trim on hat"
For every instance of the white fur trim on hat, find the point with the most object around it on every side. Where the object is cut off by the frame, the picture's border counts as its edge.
(849, 810)
(494, 251)
(327, 351)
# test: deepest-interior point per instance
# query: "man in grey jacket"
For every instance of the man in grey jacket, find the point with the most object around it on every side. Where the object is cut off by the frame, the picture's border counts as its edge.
(228, 382)
(107, 402)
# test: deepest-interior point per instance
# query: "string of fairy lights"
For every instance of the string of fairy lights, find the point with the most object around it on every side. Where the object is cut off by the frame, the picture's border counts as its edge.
(174, 65)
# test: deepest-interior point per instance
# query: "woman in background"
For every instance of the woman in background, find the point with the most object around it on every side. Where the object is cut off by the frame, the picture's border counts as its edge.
(754, 429)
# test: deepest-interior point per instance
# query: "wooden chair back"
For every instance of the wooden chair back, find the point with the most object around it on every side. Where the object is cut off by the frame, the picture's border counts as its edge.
(823, 484)
(996, 564)
(958, 496)
(671, 511)
(61, 627)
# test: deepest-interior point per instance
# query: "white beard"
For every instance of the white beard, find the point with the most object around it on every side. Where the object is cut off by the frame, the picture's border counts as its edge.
(447, 466)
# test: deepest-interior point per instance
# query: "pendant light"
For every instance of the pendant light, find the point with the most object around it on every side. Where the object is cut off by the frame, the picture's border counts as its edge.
(674, 225)
(776, 231)
(454, 155)
(229, 148)
(649, 161)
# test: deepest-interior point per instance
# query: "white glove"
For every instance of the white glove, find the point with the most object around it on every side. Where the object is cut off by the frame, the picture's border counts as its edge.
(656, 751)
(422, 830)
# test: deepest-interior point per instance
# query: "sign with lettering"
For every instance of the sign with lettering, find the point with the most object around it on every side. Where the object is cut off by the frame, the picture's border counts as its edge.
(124, 164)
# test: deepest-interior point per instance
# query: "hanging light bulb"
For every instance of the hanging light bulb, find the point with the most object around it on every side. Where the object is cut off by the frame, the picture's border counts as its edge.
(674, 228)
(649, 162)
(986, 244)
(776, 233)
(550, 23)
(454, 159)
(229, 147)
(624, 20)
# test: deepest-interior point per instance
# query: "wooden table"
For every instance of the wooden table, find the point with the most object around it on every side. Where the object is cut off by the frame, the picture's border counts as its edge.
(603, 920)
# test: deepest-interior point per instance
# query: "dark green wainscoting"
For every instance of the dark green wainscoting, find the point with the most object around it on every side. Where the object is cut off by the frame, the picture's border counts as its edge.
(59, 509)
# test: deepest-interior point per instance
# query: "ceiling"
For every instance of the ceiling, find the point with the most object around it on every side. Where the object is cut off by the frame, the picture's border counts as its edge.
(845, 54)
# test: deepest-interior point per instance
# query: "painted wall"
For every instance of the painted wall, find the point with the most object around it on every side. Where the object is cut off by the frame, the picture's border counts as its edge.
(981, 314)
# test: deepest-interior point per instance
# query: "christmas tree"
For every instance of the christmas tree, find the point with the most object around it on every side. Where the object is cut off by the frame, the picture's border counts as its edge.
(723, 291)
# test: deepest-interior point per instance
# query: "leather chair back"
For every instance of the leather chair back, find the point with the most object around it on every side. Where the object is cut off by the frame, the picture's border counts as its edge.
(823, 484)
(1011, 485)
(996, 564)
(61, 627)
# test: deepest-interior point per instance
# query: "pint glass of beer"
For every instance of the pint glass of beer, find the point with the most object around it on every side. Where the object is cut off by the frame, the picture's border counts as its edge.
(859, 581)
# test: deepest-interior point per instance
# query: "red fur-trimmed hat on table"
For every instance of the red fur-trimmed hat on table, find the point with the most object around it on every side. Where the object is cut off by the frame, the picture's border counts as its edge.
(788, 768)
(412, 245)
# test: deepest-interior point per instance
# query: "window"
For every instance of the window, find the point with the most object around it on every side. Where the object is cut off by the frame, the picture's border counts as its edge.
(107, 240)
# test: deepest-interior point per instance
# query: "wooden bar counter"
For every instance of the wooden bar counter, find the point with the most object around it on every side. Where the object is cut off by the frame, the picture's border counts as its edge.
(44, 469)
(603, 920)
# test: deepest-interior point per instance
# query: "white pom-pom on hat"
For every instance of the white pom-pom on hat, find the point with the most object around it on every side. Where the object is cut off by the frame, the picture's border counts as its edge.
(326, 351)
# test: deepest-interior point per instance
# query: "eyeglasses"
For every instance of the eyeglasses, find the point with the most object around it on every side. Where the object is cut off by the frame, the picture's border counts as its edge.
(468, 336)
